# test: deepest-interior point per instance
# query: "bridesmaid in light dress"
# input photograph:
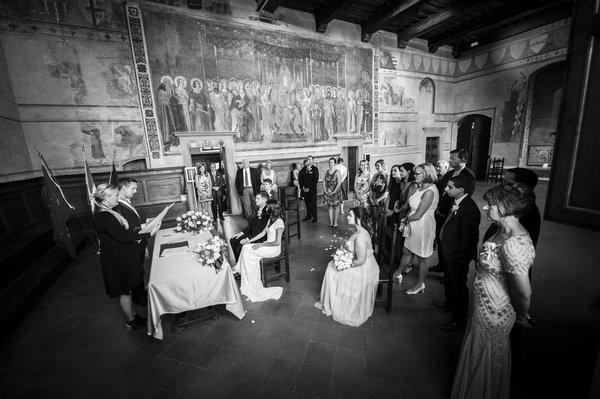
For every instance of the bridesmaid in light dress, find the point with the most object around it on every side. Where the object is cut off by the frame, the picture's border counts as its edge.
(349, 295)
(501, 297)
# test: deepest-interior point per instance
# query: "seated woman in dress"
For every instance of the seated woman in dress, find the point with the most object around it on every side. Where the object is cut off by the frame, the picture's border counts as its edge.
(204, 190)
(501, 296)
(119, 256)
(418, 245)
(249, 261)
(349, 295)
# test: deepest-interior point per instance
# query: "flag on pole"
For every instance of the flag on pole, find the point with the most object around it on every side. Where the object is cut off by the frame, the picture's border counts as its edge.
(113, 179)
(89, 181)
(60, 208)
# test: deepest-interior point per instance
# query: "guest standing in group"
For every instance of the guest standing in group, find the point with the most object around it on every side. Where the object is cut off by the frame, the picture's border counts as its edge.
(249, 261)
(119, 252)
(271, 190)
(253, 233)
(362, 190)
(501, 297)
(127, 189)
(247, 183)
(309, 176)
(349, 294)
(459, 237)
(378, 191)
(332, 193)
(394, 195)
(294, 178)
(442, 168)
(204, 190)
(217, 181)
(344, 184)
(458, 165)
(268, 173)
(420, 223)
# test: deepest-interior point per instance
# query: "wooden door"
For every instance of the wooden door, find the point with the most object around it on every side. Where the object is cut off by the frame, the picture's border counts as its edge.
(479, 146)
(574, 190)
(352, 166)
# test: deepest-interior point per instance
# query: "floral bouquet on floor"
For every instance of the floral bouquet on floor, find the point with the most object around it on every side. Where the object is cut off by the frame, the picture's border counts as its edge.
(342, 258)
(213, 253)
(193, 222)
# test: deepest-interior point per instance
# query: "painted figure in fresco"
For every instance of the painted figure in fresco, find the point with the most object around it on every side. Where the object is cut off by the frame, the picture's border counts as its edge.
(235, 109)
(340, 110)
(96, 143)
(329, 113)
(297, 107)
(351, 114)
(368, 110)
(246, 122)
(305, 110)
(220, 107)
(199, 107)
(359, 111)
(284, 113)
(165, 112)
(224, 86)
(129, 139)
(266, 110)
(316, 116)
(183, 102)
(254, 107)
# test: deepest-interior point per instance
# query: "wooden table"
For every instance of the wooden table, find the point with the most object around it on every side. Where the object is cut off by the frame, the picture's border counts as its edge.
(179, 283)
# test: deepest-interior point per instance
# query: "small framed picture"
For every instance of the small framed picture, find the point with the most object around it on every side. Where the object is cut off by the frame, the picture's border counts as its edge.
(190, 174)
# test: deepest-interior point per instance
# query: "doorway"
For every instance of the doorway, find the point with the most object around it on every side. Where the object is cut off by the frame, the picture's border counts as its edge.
(474, 136)
(352, 166)
(217, 156)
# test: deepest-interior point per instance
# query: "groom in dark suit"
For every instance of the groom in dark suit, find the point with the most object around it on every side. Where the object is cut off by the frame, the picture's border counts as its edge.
(218, 186)
(255, 226)
(308, 178)
(459, 237)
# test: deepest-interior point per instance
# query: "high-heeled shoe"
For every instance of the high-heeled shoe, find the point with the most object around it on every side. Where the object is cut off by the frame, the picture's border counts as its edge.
(414, 291)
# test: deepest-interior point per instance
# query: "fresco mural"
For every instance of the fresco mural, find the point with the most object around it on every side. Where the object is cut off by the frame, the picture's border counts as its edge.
(264, 87)
(396, 94)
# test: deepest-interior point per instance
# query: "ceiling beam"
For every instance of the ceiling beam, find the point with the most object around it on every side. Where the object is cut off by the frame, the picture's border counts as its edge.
(330, 11)
(433, 21)
(385, 14)
(521, 10)
(268, 5)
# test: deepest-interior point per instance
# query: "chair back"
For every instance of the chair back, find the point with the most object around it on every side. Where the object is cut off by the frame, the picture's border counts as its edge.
(495, 169)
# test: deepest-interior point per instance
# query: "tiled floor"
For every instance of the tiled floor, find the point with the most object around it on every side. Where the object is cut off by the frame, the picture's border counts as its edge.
(73, 343)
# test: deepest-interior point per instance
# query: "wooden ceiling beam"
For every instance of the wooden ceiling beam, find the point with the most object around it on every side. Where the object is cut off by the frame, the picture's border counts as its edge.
(268, 5)
(385, 14)
(521, 10)
(330, 11)
(434, 21)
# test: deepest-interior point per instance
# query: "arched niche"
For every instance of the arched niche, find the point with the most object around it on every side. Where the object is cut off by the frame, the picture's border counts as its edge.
(426, 96)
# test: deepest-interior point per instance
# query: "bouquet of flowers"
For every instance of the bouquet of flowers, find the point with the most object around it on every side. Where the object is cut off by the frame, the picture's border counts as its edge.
(342, 258)
(194, 221)
(213, 253)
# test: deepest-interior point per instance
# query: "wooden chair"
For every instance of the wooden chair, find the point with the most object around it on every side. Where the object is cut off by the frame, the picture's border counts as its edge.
(291, 205)
(495, 170)
(386, 258)
(275, 262)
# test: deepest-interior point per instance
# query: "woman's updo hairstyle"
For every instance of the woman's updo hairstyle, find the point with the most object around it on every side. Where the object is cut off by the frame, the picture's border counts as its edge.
(409, 167)
(275, 210)
(511, 198)
(361, 214)
(103, 191)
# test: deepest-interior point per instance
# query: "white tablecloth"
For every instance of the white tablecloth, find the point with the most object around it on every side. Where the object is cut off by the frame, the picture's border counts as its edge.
(179, 283)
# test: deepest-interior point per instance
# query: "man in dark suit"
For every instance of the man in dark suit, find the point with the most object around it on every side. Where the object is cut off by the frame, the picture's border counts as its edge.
(308, 178)
(459, 236)
(458, 163)
(247, 184)
(218, 187)
(127, 189)
(256, 226)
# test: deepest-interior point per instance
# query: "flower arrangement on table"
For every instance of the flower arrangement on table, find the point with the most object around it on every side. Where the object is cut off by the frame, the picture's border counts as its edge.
(194, 221)
(342, 258)
(213, 253)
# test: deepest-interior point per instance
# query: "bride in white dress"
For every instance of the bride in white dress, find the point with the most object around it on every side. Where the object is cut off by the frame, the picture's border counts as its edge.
(248, 264)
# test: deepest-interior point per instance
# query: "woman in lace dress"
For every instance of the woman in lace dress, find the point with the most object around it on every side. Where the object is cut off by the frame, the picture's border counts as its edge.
(249, 260)
(501, 296)
(349, 295)
(332, 193)
(379, 191)
(420, 222)
(204, 190)
(361, 185)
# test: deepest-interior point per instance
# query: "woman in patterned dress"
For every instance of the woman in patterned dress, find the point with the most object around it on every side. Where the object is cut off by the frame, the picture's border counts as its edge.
(379, 192)
(204, 190)
(501, 297)
(361, 185)
(332, 193)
